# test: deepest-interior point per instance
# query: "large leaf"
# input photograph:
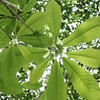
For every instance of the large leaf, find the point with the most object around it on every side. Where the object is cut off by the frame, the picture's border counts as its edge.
(4, 11)
(10, 62)
(86, 32)
(36, 22)
(32, 54)
(90, 57)
(30, 4)
(38, 71)
(55, 17)
(56, 87)
(4, 39)
(37, 41)
(83, 82)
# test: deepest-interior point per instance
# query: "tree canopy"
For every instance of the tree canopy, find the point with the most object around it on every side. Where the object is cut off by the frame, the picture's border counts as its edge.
(50, 49)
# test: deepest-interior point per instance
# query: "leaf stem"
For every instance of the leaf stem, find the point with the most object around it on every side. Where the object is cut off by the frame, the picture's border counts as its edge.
(5, 33)
(16, 15)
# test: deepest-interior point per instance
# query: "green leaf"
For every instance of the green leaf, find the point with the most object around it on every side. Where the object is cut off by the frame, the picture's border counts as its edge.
(38, 71)
(56, 86)
(25, 52)
(30, 4)
(55, 17)
(4, 39)
(44, 95)
(31, 86)
(10, 62)
(37, 55)
(83, 82)
(90, 57)
(4, 22)
(32, 54)
(36, 22)
(37, 41)
(12, 24)
(4, 11)
(86, 32)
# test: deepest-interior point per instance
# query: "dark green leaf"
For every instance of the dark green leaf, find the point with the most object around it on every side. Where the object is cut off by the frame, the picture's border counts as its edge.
(29, 5)
(36, 22)
(4, 39)
(37, 41)
(4, 11)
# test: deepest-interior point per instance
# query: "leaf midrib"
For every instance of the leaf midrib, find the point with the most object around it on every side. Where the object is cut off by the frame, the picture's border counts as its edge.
(81, 55)
(77, 75)
(81, 34)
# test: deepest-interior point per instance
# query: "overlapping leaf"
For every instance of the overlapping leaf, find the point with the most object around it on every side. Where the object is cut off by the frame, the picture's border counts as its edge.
(37, 40)
(4, 22)
(30, 86)
(90, 57)
(38, 72)
(36, 22)
(56, 86)
(83, 82)
(32, 54)
(4, 11)
(30, 4)
(55, 17)
(10, 62)
(4, 39)
(86, 32)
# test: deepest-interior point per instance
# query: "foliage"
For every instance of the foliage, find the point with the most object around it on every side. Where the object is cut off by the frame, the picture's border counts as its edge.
(29, 37)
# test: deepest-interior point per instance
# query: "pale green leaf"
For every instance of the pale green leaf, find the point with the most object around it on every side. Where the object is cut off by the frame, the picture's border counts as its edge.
(38, 71)
(37, 41)
(37, 55)
(25, 52)
(4, 39)
(31, 86)
(10, 62)
(36, 22)
(83, 82)
(29, 5)
(4, 11)
(86, 32)
(90, 57)
(55, 17)
(32, 54)
(44, 95)
(56, 86)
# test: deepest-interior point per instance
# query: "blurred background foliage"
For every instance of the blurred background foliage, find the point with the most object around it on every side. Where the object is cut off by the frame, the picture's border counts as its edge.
(74, 12)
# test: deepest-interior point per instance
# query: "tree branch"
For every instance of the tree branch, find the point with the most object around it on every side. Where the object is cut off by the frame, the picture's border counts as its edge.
(11, 5)
(17, 16)
(6, 33)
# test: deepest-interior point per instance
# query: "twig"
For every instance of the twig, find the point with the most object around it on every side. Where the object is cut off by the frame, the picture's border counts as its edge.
(5, 33)
(16, 15)
(12, 5)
